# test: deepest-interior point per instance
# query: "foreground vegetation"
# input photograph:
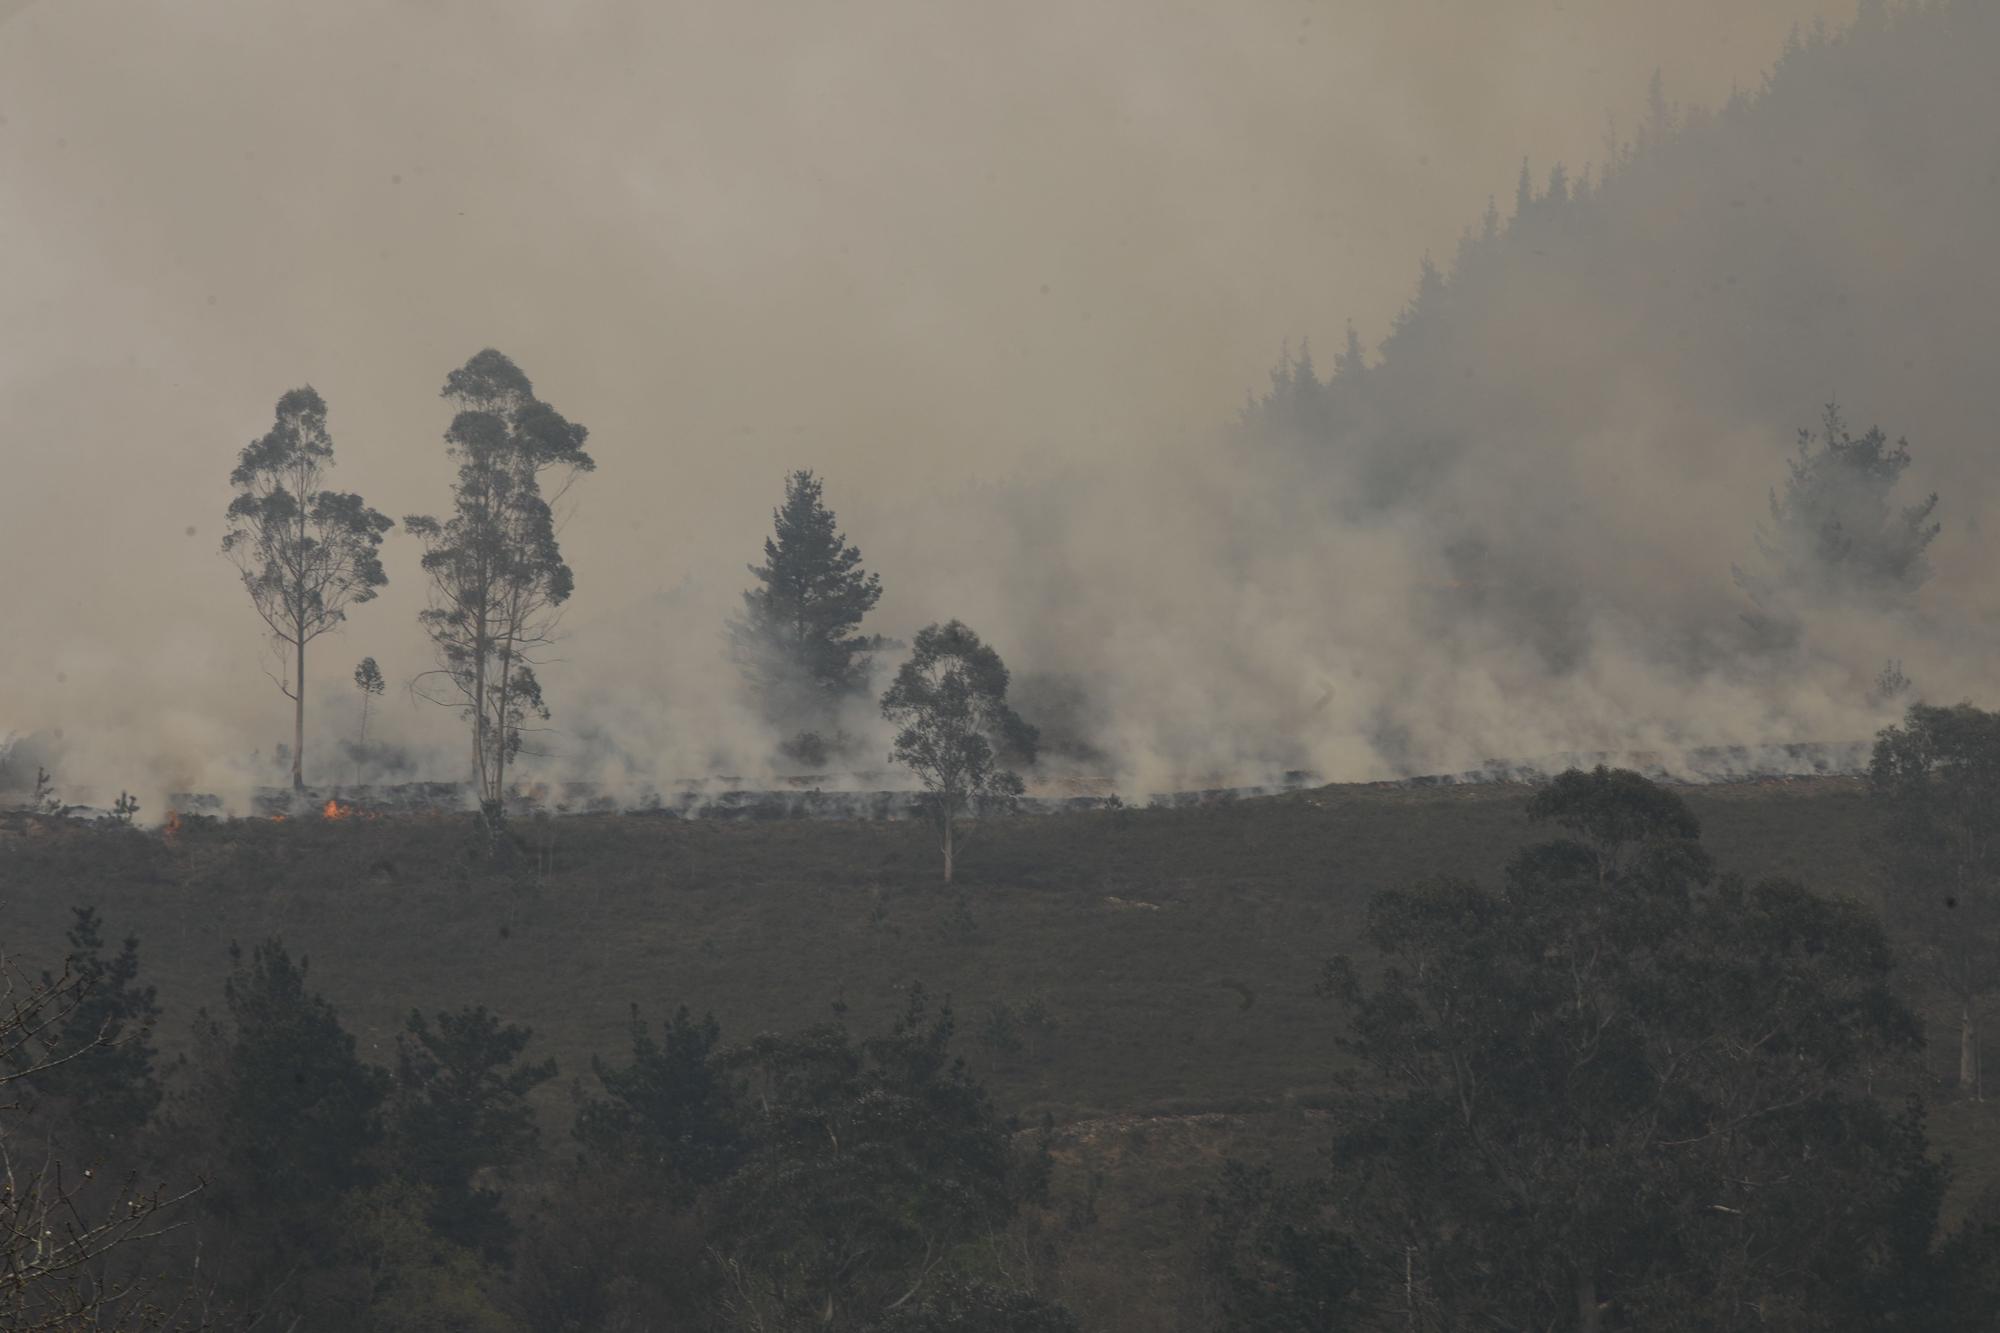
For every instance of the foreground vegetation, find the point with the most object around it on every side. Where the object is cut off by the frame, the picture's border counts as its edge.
(1137, 992)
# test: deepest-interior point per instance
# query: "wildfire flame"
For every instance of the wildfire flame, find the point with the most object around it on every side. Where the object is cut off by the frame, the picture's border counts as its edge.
(172, 830)
(334, 809)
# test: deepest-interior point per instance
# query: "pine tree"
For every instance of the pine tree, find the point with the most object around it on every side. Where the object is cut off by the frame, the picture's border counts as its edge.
(796, 642)
(107, 1086)
(1834, 537)
(296, 1110)
(461, 1119)
(1350, 364)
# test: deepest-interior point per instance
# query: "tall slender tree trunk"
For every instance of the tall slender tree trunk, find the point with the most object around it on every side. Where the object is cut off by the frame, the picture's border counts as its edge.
(1588, 1317)
(1968, 1050)
(500, 731)
(946, 840)
(361, 745)
(480, 643)
(299, 718)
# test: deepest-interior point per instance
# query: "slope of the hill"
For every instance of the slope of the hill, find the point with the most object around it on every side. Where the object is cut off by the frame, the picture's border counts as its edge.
(1157, 966)
(1173, 953)
(1547, 472)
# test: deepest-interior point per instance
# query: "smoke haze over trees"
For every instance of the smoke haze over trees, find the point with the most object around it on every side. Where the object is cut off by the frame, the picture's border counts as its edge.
(1834, 537)
(1499, 524)
(1291, 393)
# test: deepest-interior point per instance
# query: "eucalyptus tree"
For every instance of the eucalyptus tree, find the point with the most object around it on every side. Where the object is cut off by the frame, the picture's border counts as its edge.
(306, 552)
(950, 703)
(1582, 1100)
(1937, 779)
(497, 575)
(368, 680)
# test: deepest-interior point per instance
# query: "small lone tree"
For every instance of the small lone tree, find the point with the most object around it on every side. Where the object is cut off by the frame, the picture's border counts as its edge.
(796, 643)
(950, 703)
(1937, 777)
(47, 800)
(306, 553)
(498, 580)
(368, 680)
(1833, 536)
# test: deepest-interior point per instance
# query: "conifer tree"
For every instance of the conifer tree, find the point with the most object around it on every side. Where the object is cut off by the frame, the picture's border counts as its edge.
(106, 1082)
(1834, 537)
(295, 1109)
(461, 1120)
(797, 641)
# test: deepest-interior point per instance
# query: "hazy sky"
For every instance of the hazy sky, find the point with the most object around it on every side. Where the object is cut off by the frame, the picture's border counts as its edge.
(911, 243)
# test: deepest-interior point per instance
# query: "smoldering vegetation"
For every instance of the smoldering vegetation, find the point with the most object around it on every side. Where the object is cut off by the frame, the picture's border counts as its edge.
(1515, 525)
(1528, 521)
(887, 794)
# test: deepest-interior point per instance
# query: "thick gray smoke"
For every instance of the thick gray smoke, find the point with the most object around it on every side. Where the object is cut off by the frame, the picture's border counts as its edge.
(1000, 275)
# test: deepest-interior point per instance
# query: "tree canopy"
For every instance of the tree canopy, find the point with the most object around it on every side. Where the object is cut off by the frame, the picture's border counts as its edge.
(1936, 777)
(1589, 1099)
(497, 575)
(1835, 536)
(955, 728)
(306, 553)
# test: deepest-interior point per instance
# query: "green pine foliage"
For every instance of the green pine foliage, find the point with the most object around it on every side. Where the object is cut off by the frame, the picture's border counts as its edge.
(460, 1120)
(798, 641)
(107, 1086)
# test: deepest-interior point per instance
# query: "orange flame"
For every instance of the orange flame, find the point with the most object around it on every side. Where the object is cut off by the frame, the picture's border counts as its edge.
(172, 830)
(335, 810)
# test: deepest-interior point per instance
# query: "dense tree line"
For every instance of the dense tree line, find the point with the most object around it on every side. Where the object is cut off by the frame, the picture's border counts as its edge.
(818, 1179)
